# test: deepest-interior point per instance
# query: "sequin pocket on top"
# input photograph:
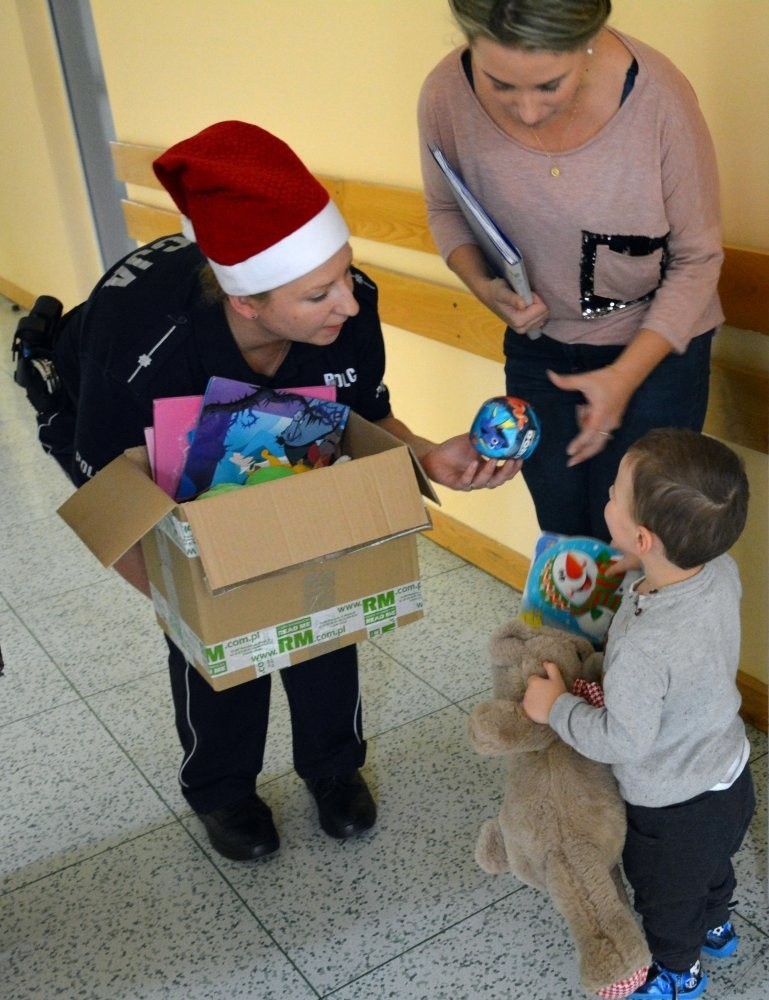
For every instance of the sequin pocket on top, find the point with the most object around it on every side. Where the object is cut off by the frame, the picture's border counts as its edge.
(619, 271)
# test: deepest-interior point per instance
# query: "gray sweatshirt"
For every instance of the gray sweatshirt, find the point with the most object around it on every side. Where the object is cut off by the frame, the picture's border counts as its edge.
(670, 728)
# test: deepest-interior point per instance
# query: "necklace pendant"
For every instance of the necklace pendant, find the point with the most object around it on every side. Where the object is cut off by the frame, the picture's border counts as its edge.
(555, 172)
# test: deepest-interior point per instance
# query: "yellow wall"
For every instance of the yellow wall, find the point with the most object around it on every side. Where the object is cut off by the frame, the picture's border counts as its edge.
(338, 79)
(47, 241)
(721, 46)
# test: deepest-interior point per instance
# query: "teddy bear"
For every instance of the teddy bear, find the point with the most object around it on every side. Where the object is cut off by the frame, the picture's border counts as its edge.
(561, 828)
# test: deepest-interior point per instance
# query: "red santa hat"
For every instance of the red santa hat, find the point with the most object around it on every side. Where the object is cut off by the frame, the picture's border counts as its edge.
(251, 205)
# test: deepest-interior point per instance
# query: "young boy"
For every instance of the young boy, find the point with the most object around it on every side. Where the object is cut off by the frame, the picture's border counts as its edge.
(670, 727)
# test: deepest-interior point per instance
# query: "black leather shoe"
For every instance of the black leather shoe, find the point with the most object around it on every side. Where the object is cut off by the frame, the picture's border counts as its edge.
(345, 805)
(242, 831)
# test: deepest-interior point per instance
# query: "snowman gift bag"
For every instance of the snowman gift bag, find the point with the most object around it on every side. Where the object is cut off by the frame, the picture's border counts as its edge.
(569, 587)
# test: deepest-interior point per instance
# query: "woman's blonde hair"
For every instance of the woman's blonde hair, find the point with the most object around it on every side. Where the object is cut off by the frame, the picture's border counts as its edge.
(213, 291)
(534, 25)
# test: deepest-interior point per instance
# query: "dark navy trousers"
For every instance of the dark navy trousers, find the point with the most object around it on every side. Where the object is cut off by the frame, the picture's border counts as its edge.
(223, 733)
(678, 860)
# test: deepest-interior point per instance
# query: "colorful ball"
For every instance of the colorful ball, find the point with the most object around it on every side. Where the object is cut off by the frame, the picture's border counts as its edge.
(505, 427)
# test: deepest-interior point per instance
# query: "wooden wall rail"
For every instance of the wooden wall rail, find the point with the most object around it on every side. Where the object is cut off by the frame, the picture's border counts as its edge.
(397, 217)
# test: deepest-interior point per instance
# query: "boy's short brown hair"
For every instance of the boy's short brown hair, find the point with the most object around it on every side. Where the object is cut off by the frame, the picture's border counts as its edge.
(691, 491)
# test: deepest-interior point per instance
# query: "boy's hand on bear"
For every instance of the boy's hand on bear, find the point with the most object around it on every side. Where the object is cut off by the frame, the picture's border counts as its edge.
(542, 693)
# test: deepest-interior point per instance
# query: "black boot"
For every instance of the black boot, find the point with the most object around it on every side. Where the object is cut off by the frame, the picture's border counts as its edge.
(345, 805)
(243, 830)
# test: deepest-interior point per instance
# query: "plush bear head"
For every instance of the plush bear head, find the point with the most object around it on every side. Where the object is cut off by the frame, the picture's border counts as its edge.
(517, 651)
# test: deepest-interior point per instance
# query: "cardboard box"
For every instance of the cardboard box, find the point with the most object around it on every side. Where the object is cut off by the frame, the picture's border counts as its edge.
(260, 578)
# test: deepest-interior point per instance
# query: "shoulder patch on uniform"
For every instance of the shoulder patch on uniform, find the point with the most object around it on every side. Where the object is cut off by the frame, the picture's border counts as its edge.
(364, 287)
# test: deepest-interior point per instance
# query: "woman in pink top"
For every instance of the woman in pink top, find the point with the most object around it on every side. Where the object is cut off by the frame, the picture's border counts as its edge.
(589, 150)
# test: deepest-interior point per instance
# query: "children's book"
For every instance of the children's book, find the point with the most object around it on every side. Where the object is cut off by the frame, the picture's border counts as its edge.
(243, 428)
(149, 440)
(500, 251)
(174, 421)
(568, 586)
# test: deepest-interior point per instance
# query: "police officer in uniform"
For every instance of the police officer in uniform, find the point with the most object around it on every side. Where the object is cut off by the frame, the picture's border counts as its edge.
(259, 288)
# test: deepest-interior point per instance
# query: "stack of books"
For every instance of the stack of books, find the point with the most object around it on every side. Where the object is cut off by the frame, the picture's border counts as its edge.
(237, 434)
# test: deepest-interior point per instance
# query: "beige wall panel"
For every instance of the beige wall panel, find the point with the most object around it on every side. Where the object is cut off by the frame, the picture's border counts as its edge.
(47, 241)
(721, 46)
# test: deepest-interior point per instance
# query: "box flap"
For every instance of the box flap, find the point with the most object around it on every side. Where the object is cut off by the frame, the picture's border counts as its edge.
(362, 438)
(425, 484)
(365, 438)
(261, 529)
(116, 508)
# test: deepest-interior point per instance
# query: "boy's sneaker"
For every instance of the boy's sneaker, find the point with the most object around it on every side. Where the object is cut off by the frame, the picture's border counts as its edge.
(722, 941)
(663, 983)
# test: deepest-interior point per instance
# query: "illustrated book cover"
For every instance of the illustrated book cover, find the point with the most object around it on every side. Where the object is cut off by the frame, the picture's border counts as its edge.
(174, 422)
(245, 428)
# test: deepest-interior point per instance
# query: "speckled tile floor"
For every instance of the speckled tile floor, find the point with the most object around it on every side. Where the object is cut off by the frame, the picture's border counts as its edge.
(107, 886)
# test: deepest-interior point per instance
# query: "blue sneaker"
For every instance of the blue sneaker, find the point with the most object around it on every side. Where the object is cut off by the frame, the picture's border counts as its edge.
(667, 985)
(722, 941)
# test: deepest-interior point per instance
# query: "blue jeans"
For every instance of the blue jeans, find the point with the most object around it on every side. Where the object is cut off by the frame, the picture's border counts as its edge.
(572, 501)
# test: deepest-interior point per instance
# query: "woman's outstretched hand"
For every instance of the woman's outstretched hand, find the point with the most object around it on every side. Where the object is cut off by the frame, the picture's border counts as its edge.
(455, 463)
(606, 398)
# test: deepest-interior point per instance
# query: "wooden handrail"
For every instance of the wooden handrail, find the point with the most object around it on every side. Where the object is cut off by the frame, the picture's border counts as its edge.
(397, 217)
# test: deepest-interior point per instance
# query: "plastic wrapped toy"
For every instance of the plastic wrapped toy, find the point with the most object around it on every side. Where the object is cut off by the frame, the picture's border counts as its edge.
(505, 427)
(568, 586)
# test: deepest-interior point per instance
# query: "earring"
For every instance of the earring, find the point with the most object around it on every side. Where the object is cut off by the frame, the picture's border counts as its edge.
(590, 51)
